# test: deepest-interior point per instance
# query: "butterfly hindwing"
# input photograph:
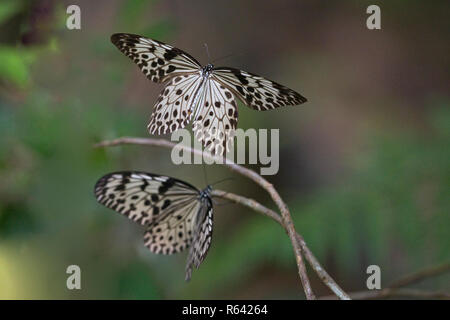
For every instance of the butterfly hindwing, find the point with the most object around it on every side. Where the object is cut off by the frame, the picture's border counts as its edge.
(255, 91)
(174, 232)
(157, 60)
(175, 105)
(202, 238)
(216, 118)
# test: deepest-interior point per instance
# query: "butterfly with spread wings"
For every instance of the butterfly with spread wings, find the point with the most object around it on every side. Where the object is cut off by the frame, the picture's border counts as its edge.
(176, 215)
(204, 93)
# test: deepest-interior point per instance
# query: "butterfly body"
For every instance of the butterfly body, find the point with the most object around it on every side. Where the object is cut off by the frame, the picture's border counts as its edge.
(204, 93)
(204, 196)
(206, 70)
(176, 215)
(206, 193)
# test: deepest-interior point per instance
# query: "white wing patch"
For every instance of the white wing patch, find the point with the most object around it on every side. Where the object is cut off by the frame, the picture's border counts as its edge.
(216, 118)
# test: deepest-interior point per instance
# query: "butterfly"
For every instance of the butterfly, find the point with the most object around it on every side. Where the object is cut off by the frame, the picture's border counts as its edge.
(176, 215)
(203, 93)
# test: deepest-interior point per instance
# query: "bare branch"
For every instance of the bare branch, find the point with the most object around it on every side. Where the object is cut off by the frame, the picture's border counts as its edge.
(396, 290)
(391, 293)
(297, 240)
(252, 175)
(421, 275)
(249, 203)
(323, 275)
(256, 206)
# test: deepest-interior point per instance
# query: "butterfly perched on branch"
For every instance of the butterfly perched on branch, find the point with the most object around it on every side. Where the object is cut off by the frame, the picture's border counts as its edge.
(176, 215)
(205, 94)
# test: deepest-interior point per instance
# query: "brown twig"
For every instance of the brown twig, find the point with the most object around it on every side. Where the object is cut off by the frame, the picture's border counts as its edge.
(420, 275)
(395, 289)
(256, 206)
(285, 220)
(399, 292)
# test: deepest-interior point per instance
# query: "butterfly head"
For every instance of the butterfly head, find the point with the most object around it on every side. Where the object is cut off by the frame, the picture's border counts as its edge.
(206, 193)
(207, 69)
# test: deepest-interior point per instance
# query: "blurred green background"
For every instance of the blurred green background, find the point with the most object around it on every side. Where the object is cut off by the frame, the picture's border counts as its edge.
(364, 165)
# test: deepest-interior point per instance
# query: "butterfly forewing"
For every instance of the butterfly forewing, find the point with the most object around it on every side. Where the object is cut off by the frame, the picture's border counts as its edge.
(157, 60)
(141, 197)
(172, 211)
(255, 91)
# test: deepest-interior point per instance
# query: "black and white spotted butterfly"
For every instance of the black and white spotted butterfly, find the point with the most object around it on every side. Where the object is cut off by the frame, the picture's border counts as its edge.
(205, 93)
(176, 215)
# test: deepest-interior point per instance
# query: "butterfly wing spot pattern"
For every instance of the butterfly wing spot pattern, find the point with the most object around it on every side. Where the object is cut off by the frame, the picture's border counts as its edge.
(157, 60)
(202, 238)
(173, 109)
(175, 214)
(257, 92)
(207, 92)
(216, 121)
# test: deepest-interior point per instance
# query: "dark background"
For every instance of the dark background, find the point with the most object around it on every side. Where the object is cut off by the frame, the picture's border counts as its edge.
(364, 164)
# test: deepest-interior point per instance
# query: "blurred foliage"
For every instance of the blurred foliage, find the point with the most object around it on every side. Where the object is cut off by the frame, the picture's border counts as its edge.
(14, 62)
(391, 209)
(14, 65)
(130, 18)
(9, 8)
(399, 188)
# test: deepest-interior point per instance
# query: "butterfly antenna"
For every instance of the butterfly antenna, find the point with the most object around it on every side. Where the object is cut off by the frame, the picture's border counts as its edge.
(217, 182)
(222, 58)
(205, 176)
(207, 52)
